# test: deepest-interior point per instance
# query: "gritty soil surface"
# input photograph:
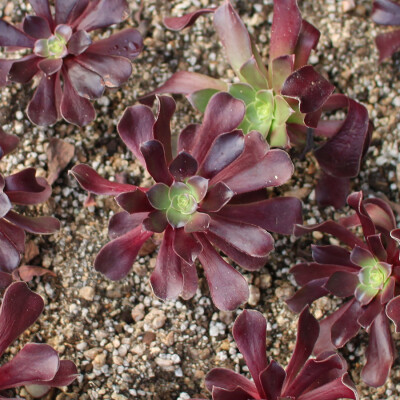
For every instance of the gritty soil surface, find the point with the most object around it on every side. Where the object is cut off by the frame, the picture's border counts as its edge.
(126, 343)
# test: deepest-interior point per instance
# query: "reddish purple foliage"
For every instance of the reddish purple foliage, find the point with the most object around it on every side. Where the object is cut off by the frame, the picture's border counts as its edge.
(324, 377)
(211, 193)
(367, 272)
(21, 188)
(36, 366)
(286, 99)
(61, 47)
(387, 12)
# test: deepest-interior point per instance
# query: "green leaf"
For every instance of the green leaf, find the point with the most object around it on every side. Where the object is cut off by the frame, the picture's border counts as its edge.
(201, 98)
(242, 91)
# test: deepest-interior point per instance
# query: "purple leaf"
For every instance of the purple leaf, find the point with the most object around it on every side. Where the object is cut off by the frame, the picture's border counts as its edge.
(25, 188)
(311, 291)
(245, 175)
(341, 155)
(246, 261)
(183, 166)
(5, 66)
(116, 258)
(43, 109)
(331, 254)
(13, 234)
(386, 12)
(307, 41)
(36, 27)
(199, 186)
(135, 128)
(370, 312)
(127, 43)
(380, 353)
(190, 281)
(387, 43)
(332, 190)
(9, 255)
(19, 310)
(393, 312)
(156, 164)
(66, 374)
(276, 215)
(78, 43)
(341, 387)
(5, 204)
(228, 287)
(123, 222)
(86, 83)
(225, 149)
(156, 222)
(35, 362)
(103, 14)
(184, 82)
(162, 130)
(233, 35)
(198, 222)
(166, 279)
(307, 335)
(355, 201)
(113, 70)
(186, 137)
(250, 333)
(179, 23)
(134, 202)
(228, 380)
(91, 181)
(24, 69)
(186, 246)
(216, 198)
(50, 65)
(69, 10)
(42, 9)
(11, 36)
(333, 228)
(306, 272)
(307, 85)
(272, 379)
(314, 371)
(223, 114)
(7, 143)
(284, 40)
(346, 326)
(74, 108)
(40, 225)
(246, 238)
(342, 283)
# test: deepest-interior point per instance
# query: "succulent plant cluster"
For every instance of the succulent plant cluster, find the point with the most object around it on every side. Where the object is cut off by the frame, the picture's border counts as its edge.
(209, 200)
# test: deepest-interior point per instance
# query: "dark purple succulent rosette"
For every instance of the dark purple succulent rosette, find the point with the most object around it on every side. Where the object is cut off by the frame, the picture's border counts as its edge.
(61, 47)
(211, 193)
(37, 366)
(387, 12)
(367, 272)
(324, 377)
(21, 188)
(284, 101)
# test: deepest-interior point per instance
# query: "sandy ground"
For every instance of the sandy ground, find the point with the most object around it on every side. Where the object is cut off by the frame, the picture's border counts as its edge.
(126, 343)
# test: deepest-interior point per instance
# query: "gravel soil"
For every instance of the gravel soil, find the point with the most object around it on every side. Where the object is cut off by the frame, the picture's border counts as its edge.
(126, 343)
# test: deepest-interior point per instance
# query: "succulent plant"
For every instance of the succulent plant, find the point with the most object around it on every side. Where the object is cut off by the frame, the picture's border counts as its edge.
(285, 100)
(21, 188)
(324, 377)
(37, 366)
(211, 193)
(367, 272)
(61, 48)
(387, 12)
